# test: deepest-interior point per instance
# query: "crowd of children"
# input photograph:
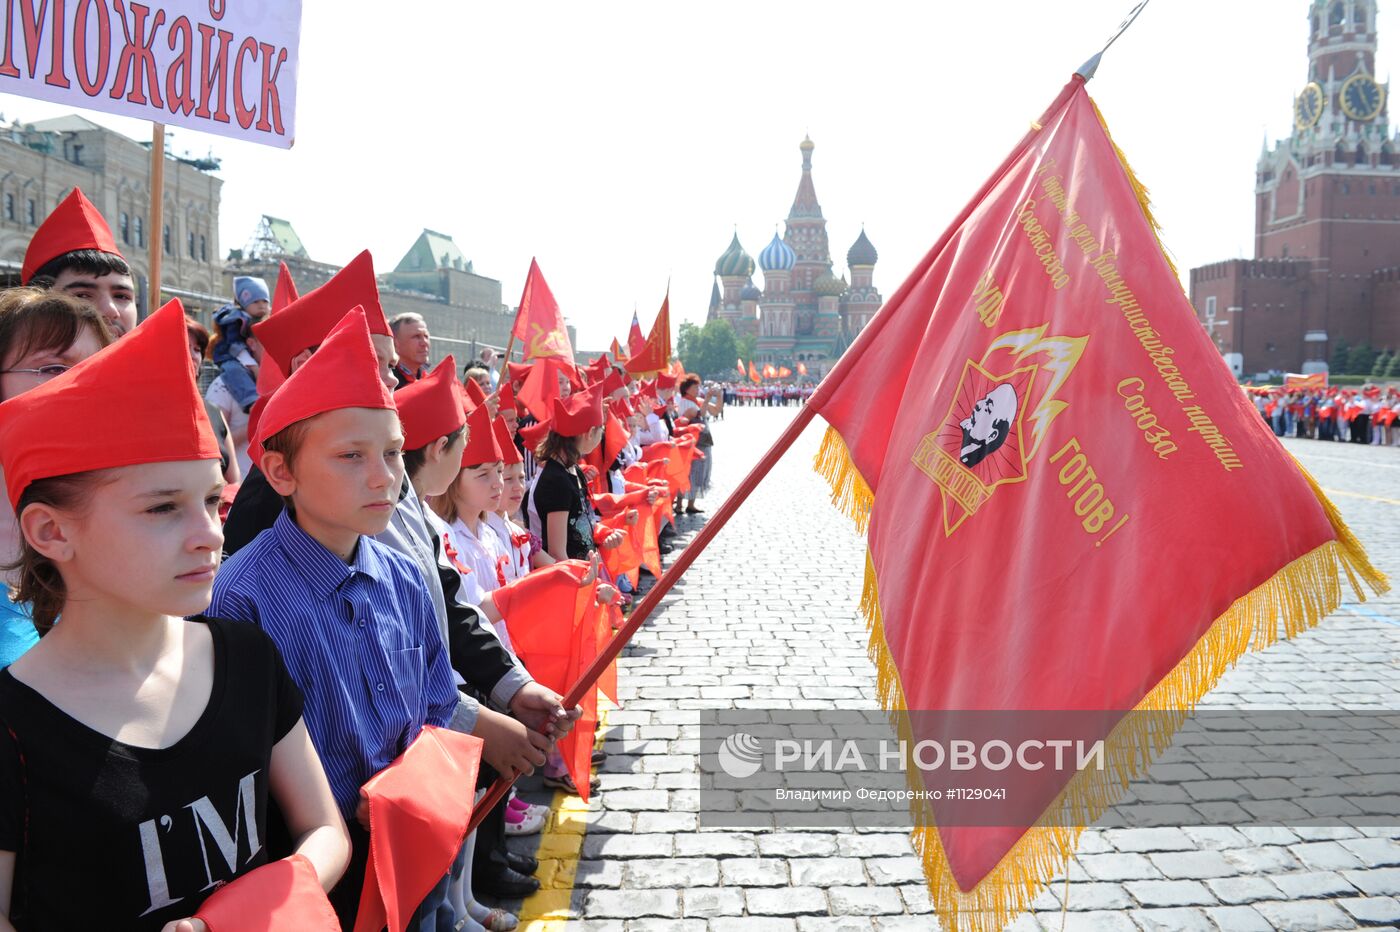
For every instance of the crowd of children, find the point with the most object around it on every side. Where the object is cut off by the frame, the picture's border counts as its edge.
(209, 692)
(1366, 415)
(769, 394)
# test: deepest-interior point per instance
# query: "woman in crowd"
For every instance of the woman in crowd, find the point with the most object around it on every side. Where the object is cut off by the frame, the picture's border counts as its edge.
(690, 406)
(42, 335)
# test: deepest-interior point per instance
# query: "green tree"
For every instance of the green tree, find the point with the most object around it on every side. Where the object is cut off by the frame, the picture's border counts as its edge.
(1382, 364)
(1392, 371)
(688, 348)
(711, 351)
(1360, 359)
(1338, 365)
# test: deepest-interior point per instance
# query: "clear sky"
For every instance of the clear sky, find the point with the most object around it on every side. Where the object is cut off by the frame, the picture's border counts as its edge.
(623, 143)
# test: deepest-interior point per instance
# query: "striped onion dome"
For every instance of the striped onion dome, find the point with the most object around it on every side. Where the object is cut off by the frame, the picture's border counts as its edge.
(735, 262)
(777, 256)
(862, 251)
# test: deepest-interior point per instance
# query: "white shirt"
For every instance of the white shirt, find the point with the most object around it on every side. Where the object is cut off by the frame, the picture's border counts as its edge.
(654, 432)
(220, 397)
(517, 558)
(480, 551)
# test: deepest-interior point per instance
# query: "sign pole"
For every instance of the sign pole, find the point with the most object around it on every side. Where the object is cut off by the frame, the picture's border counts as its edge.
(157, 235)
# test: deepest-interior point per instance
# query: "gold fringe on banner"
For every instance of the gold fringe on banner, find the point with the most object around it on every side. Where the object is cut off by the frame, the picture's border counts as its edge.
(1140, 190)
(849, 491)
(1298, 596)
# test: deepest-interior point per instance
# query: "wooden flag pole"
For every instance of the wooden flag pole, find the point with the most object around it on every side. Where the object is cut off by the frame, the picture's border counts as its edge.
(644, 608)
(505, 359)
(156, 233)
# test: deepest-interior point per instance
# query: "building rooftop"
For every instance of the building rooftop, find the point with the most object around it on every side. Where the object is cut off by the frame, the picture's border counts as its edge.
(71, 123)
(433, 250)
(275, 237)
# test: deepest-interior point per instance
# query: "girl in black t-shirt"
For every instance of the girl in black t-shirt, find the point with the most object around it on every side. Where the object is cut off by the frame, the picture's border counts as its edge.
(137, 749)
(559, 501)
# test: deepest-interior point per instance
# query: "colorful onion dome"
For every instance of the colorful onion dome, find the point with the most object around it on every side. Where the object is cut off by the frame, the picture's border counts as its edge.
(829, 285)
(777, 256)
(735, 262)
(862, 252)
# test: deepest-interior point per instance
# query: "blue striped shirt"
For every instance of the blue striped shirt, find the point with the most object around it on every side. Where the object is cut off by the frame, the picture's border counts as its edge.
(360, 639)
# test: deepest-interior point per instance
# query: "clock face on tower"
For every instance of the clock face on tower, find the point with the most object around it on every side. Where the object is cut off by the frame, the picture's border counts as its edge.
(1308, 107)
(1362, 98)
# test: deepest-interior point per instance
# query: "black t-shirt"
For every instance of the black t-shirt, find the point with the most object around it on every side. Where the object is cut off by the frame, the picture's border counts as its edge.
(119, 837)
(560, 489)
(216, 421)
(255, 509)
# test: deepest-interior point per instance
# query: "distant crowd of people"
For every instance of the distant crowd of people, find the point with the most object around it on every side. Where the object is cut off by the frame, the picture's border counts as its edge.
(1365, 415)
(767, 395)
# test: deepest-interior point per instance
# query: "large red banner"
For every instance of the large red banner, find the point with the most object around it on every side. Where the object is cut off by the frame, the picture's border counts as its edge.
(1065, 496)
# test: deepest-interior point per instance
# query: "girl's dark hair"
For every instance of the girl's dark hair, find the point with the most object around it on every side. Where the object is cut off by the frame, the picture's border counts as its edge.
(200, 333)
(413, 460)
(558, 447)
(34, 319)
(87, 261)
(40, 582)
(687, 383)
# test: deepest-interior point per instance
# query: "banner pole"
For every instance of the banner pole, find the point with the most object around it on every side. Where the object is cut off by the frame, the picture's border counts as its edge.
(156, 233)
(663, 585)
(505, 358)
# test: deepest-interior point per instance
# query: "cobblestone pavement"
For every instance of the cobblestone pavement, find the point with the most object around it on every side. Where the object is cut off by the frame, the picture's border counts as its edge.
(767, 619)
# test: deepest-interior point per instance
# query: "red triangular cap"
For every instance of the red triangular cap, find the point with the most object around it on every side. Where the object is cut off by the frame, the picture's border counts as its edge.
(505, 397)
(621, 408)
(285, 894)
(82, 419)
(665, 380)
(613, 381)
(343, 373)
(535, 434)
(517, 371)
(481, 440)
(475, 393)
(419, 810)
(597, 369)
(431, 407)
(286, 291)
(579, 413)
(305, 322)
(75, 224)
(510, 455)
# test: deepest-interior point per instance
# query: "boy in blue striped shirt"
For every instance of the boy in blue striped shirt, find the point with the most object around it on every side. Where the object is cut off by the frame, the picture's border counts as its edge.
(351, 617)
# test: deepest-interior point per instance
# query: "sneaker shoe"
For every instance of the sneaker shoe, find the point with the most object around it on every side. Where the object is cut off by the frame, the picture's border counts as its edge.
(565, 782)
(524, 824)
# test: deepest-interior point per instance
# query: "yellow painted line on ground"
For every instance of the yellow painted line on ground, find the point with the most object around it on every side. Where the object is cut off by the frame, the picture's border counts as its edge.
(1340, 459)
(1370, 498)
(561, 842)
